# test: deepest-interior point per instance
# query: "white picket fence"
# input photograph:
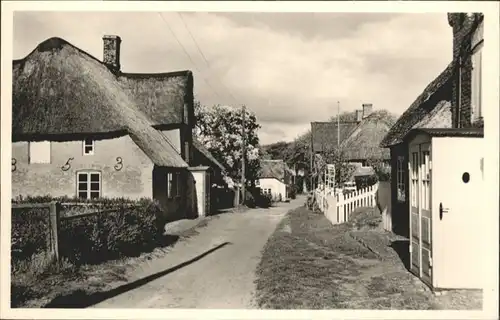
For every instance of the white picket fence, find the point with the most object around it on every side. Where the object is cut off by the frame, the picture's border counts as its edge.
(338, 206)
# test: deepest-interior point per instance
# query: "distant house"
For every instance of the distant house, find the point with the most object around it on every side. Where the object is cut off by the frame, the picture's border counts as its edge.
(437, 153)
(275, 179)
(363, 144)
(83, 128)
(359, 140)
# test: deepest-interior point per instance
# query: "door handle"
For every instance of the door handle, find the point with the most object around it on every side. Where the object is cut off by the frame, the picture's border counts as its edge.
(442, 210)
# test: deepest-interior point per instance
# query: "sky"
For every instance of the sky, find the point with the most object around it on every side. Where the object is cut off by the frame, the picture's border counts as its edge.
(288, 68)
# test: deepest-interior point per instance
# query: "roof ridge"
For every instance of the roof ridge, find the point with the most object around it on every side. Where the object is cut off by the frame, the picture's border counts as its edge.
(54, 43)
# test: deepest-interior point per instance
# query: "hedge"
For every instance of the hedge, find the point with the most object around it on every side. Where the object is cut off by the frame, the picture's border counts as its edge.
(132, 228)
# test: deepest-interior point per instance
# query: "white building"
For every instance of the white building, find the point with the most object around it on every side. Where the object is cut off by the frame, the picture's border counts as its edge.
(275, 179)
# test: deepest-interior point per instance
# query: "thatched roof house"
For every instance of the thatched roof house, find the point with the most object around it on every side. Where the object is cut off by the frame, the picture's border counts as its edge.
(61, 93)
(364, 141)
(431, 109)
(276, 169)
(324, 134)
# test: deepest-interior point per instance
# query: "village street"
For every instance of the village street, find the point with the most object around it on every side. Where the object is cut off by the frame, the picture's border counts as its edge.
(223, 277)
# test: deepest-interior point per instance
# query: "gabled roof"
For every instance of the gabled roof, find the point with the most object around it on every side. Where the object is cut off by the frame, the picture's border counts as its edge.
(364, 141)
(204, 151)
(274, 169)
(324, 134)
(160, 96)
(432, 108)
(61, 92)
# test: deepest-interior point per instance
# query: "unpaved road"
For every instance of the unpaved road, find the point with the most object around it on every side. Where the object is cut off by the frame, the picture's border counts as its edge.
(214, 269)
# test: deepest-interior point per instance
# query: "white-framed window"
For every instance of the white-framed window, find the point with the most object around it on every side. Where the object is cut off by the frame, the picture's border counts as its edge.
(88, 184)
(400, 179)
(39, 152)
(476, 81)
(173, 180)
(88, 147)
(170, 182)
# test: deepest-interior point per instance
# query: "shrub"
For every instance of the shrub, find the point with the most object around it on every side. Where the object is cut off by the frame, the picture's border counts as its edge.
(293, 191)
(121, 228)
(127, 231)
(264, 200)
(366, 181)
(30, 229)
(310, 201)
(250, 197)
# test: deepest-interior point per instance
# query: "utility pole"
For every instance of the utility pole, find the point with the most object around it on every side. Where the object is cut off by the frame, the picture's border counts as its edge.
(338, 140)
(338, 125)
(243, 153)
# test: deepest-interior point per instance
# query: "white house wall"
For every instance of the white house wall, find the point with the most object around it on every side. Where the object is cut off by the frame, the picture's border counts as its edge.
(277, 187)
(133, 179)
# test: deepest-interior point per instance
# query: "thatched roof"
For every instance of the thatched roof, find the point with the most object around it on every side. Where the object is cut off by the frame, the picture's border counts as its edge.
(364, 141)
(161, 96)
(274, 169)
(430, 109)
(324, 134)
(62, 93)
(201, 148)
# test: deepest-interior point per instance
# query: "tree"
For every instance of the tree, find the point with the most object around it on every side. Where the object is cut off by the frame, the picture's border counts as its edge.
(343, 169)
(345, 116)
(219, 129)
(277, 150)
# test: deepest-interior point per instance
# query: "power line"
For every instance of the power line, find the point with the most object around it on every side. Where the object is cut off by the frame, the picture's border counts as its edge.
(203, 55)
(188, 55)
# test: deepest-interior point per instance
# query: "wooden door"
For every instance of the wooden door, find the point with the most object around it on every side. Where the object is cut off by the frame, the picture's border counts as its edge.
(414, 184)
(420, 211)
(425, 213)
(458, 215)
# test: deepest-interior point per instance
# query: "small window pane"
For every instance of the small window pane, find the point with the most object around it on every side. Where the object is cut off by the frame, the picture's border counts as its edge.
(82, 194)
(94, 177)
(82, 186)
(88, 149)
(94, 186)
(94, 195)
(82, 177)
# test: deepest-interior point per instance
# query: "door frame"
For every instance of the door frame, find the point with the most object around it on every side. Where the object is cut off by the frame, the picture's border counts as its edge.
(419, 145)
(412, 148)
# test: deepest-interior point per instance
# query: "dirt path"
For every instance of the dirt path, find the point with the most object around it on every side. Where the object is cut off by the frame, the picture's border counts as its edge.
(214, 269)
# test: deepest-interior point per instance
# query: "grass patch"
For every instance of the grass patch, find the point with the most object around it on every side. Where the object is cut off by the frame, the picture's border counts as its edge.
(308, 263)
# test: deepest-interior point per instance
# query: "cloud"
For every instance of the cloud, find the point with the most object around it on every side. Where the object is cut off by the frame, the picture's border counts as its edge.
(289, 68)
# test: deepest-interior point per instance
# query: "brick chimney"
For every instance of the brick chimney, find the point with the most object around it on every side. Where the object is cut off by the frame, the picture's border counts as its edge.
(111, 52)
(359, 115)
(462, 24)
(367, 109)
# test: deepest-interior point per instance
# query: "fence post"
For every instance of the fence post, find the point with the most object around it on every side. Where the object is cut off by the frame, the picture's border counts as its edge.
(54, 229)
(340, 206)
